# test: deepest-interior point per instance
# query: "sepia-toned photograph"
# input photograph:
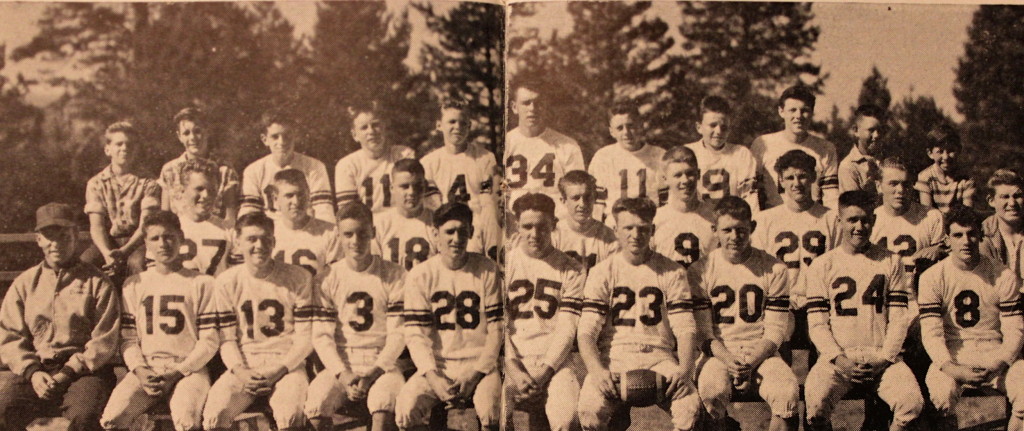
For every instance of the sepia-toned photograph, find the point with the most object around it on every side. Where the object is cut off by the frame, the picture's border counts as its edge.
(537, 215)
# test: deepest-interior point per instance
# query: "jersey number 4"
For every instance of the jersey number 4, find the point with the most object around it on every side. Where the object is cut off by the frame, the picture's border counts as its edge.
(544, 170)
(521, 291)
(465, 306)
(623, 299)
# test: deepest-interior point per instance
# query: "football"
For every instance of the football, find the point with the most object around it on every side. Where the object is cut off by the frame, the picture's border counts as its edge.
(641, 388)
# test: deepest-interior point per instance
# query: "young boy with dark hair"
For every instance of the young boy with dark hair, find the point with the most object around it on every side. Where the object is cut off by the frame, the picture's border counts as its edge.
(944, 184)
(859, 170)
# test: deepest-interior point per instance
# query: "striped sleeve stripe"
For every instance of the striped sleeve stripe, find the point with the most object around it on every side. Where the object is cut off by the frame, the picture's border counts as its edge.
(345, 197)
(326, 314)
(128, 321)
(494, 314)
(681, 306)
(418, 318)
(306, 313)
(831, 181)
(228, 319)
(778, 303)
(897, 299)
(252, 200)
(701, 304)
(1011, 308)
(396, 307)
(595, 307)
(817, 305)
(208, 320)
(930, 310)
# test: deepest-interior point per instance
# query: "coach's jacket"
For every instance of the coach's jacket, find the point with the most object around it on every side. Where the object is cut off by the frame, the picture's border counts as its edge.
(992, 244)
(67, 316)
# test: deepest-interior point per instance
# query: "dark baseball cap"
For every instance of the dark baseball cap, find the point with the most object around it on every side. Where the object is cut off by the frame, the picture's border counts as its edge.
(55, 214)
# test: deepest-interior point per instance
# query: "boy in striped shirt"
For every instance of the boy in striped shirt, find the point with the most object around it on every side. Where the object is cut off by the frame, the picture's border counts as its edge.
(971, 323)
(945, 184)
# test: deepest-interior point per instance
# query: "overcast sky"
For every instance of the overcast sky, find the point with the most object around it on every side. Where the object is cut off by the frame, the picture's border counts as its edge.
(916, 46)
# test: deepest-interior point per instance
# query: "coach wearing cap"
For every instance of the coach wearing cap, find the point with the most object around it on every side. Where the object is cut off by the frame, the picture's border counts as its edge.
(59, 326)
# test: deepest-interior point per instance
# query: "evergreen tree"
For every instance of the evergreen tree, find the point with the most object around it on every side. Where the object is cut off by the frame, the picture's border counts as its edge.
(875, 90)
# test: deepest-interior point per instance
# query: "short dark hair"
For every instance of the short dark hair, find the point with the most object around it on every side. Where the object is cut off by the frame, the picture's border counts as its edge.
(962, 216)
(798, 159)
(291, 176)
(640, 206)
(624, 108)
(355, 210)
(577, 177)
(536, 202)
(192, 114)
(199, 166)
(945, 137)
(1005, 177)
(446, 104)
(868, 110)
(273, 117)
(453, 211)
(862, 199)
(356, 109)
(714, 104)
(735, 207)
(163, 218)
(895, 162)
(258, 219)
(526, 80)
(799, 92)
(412, 166)
(679, 154)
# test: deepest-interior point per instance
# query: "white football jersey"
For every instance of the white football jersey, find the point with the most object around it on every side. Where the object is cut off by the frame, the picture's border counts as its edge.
(359, 176)
(960, 305)
(919, 227)
(447, 312)
(768, 148)
(621, 173)
(405, 241)
(172, 315)
(857, 300)
(487, 233)
(536, 164)
(462, 177)
(742, 302)
(593, 243)
(259, 175)
(545, 297)
(684, 236)
(207, 245)
(795, 237)
(355, 306)
(263, 315)
(639, 304)
(731, 171)
(313, 247)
